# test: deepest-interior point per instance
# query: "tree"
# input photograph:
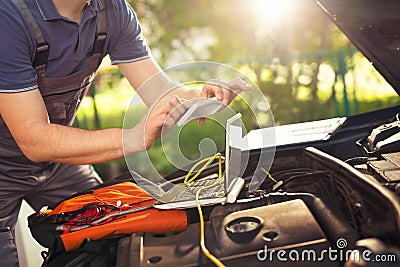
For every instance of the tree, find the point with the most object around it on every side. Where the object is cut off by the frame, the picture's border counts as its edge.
(253, 33)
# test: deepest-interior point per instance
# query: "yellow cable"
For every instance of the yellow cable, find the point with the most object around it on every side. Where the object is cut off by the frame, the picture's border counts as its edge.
(188, 180)
(219, 166)
(207, 161)
(203, 247)
(269, 175)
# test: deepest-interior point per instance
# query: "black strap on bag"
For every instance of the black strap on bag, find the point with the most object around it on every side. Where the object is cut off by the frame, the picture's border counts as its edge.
(99, 253)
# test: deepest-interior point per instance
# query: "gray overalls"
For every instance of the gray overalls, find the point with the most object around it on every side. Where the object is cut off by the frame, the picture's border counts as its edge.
(44, 183)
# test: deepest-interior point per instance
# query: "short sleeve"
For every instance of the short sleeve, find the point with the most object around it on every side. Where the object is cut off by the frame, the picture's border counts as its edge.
(16, 52)
(130, 44)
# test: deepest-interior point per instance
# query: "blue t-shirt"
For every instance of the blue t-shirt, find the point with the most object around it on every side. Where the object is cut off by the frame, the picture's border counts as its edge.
(69, 43)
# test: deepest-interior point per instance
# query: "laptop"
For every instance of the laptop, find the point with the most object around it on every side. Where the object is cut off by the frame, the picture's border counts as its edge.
(224, 190)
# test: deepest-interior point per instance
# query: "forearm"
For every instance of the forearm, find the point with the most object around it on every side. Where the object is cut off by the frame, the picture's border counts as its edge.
(56, 143)
(26, 117)
(181, 90)
(152, 83)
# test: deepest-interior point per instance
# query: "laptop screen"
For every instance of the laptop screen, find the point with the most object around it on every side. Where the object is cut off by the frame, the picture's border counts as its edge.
(232, 155)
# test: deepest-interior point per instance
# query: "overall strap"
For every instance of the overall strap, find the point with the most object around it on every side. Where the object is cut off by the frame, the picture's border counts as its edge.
(101, 34)
(42, 48)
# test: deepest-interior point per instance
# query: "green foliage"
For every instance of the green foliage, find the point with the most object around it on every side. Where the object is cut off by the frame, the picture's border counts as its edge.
(301, 65)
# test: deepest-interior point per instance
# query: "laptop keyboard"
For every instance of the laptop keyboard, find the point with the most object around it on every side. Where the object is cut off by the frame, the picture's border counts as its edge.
(190, 190)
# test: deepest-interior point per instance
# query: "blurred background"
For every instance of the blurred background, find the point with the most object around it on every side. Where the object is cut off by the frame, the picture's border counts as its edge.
(305, 67)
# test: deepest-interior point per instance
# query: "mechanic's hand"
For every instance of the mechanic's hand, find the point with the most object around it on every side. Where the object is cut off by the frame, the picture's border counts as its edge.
(159, 119)
(223, 91)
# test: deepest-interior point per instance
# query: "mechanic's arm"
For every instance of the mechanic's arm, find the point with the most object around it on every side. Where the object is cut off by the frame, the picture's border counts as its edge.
(152, 83)
(26, 117)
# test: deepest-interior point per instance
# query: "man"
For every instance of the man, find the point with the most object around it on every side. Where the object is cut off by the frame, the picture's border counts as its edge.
(49, 51)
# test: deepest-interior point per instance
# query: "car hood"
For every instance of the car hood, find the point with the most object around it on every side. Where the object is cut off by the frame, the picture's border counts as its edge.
(374, 28)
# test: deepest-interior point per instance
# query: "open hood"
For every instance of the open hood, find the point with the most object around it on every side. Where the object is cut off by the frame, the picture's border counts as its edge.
(374, 28)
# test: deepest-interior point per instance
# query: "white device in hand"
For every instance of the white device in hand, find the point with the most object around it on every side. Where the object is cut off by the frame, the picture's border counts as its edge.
(200, 109)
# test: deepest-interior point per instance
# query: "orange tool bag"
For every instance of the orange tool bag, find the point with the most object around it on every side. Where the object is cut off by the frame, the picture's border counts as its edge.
(107, 211)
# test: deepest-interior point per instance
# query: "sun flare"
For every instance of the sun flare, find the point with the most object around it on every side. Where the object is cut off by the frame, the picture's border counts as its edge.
(271, 10)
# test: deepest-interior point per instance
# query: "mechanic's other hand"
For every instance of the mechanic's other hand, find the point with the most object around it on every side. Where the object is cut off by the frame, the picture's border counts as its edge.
(224, 91)
(159, 119)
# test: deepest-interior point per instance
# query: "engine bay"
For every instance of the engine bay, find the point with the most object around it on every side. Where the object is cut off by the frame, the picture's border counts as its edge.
(311, 204)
